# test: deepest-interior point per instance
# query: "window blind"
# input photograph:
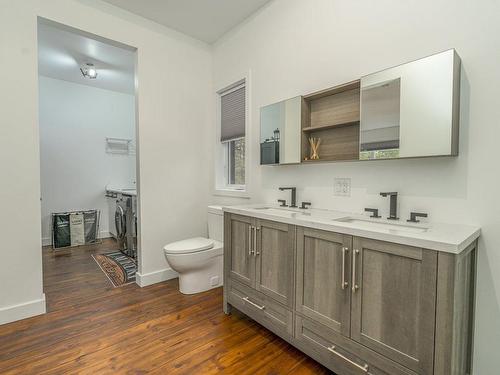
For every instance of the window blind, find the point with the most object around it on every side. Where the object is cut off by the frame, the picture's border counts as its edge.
(233, 114)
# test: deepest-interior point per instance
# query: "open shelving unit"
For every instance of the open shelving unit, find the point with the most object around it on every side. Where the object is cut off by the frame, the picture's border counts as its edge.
(332, 115)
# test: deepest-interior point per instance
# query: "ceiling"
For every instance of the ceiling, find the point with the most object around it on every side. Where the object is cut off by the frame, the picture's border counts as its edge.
(206, 20)
(62, 51)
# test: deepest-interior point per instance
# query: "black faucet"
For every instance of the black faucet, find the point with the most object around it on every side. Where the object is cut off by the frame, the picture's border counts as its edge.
(414, 215)
(393, 214)
(374, 212)
(282, 203)
(305, 205)
(294, 195)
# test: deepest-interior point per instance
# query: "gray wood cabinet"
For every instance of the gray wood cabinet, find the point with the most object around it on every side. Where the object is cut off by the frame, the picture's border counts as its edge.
(323, 271)
(241, 262)
(260, 254)
(455, 312)
(275, 251)
(261, 308)
(354, 304)
(393, 301)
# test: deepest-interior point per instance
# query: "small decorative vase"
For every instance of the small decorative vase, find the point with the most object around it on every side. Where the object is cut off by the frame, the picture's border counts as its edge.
(314, 142)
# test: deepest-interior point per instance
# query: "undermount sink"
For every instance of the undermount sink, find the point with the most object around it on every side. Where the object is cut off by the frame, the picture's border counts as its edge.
(276, 211)
(369, 224)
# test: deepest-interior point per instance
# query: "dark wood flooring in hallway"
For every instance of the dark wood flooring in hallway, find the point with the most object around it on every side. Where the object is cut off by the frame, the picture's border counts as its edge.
(93, 328)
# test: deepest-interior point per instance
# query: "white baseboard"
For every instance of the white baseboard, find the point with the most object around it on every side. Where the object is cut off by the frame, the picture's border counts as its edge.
(155, 277)
(105, 234)
(47, 241)
(22, 311)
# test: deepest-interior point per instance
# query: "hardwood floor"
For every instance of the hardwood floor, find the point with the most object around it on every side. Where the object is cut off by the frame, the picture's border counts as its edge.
(93, 328)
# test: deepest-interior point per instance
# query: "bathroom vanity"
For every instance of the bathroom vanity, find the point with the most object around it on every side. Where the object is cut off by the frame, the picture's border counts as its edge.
(359, 295)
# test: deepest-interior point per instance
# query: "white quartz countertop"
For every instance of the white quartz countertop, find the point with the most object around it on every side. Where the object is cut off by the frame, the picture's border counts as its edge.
(122, 190)
(450, 238)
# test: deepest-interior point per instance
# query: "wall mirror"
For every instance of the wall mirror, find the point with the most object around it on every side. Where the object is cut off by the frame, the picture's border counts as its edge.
(411, 110)
(280, 139)
(408, 111)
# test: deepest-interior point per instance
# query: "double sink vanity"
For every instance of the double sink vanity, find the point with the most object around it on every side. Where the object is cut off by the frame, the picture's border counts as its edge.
(360, 295)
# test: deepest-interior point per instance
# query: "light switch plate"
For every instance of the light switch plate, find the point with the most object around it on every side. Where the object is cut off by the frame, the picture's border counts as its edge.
(342, 187)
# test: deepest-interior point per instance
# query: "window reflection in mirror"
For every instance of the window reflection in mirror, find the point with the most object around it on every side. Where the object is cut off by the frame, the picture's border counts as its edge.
(380, 120)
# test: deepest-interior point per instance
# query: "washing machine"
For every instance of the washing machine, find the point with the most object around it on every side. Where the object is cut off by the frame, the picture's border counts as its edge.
(126, 224)
(121, 222)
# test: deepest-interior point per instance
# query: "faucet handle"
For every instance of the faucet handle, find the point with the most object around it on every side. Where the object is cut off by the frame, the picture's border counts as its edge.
(414, 215)
(389, 194)
(374, 212)
(304, 205)
(283, 203)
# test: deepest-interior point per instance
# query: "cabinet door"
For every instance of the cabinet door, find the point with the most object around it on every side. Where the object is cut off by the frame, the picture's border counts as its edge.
(241, 260)
(274, 260)
(393, 302)
(323, 274)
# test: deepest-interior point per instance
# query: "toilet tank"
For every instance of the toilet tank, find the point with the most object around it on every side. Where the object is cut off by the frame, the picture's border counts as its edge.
(215, 223)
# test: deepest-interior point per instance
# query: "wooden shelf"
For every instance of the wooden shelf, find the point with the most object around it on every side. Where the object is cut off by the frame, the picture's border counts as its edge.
(329, 126)
(332, 115)
(334, 90)
(337, 160)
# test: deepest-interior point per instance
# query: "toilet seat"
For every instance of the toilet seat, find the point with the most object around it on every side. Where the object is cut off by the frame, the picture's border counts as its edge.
(189, 246)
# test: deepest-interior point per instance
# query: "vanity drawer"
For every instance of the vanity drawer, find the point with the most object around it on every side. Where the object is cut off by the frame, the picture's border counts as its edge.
(339, 353)
(261, 308)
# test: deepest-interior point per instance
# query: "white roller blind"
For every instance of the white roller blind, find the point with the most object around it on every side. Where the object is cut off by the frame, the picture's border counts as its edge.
(233, 114)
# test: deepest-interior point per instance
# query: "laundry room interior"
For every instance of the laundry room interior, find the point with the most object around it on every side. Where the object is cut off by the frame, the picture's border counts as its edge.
(87, 141)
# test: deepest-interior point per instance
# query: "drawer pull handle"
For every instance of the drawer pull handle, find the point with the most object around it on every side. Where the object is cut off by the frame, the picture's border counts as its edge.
(355, 286)
(250, 251)
(255, 249)
(246, 299)
(362, 368)
(344, 284)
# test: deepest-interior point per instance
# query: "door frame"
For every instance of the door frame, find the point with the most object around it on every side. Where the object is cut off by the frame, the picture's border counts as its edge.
(135, 50)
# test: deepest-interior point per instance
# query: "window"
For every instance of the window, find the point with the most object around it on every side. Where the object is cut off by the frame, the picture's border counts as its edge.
(236, 162)
(233, 137)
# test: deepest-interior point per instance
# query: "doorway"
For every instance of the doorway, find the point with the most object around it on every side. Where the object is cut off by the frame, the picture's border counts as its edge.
(88, 154)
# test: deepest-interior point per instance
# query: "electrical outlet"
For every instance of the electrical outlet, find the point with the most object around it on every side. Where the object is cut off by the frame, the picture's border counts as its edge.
(342, 187)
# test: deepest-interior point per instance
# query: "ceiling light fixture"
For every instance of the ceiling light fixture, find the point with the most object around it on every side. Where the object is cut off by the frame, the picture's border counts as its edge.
(89, 71)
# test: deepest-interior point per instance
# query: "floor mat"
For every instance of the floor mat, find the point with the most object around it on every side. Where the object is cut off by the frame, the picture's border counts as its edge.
(119, 268)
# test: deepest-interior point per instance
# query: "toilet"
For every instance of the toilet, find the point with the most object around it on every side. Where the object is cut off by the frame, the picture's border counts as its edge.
(198, 261)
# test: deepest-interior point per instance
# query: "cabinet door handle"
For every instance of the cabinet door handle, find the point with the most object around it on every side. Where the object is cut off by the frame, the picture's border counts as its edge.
(255, 250)
(250, 251)
(246, 299)
(344, 284)
(362, 368)
(355, 286)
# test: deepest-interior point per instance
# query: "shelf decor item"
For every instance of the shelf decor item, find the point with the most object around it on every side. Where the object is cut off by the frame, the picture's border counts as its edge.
(314, 142)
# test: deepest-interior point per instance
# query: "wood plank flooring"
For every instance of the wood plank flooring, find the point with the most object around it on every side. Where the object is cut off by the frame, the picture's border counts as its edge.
(93, 328)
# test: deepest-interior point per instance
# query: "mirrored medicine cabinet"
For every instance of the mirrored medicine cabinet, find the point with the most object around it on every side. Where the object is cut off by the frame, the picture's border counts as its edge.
(280, 132)
(408, 111)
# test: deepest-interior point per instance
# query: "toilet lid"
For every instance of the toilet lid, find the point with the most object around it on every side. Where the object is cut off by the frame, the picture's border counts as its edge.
(191, 245)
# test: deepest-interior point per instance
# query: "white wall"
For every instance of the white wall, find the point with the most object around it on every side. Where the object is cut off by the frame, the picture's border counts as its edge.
(295, 47)
(74, 122)
(174, 97)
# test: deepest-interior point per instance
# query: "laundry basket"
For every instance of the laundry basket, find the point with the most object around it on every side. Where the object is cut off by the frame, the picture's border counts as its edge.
(75, 228)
